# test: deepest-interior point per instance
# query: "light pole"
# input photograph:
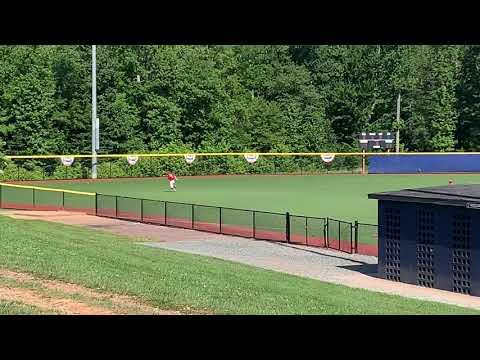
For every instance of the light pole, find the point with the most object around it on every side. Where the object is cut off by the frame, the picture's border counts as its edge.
(94, 113)
(397, 140)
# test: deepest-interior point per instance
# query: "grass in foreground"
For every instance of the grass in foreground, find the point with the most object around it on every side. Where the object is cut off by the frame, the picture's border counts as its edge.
(174, 280)
(16, 308)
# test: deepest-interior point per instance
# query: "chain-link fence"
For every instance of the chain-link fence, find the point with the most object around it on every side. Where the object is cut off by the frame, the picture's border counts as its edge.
(293, 229)
(340, 235)
(34, 168)
(366, 239)
(35, 198)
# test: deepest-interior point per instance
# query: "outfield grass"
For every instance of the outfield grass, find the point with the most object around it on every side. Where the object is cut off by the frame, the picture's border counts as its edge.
(174, 280)
(16, 308)
(343, 197)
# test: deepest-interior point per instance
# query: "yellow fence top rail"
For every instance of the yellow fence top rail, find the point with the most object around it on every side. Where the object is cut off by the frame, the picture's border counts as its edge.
(48, 189)
(238, 154)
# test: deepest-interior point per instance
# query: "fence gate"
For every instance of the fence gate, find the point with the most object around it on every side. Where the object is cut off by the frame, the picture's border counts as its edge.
(340, 235)
(309, 231)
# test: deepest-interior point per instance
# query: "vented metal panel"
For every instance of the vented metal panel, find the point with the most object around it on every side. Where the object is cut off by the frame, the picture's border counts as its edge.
(392, 244)
(460, 254)
(425, 248)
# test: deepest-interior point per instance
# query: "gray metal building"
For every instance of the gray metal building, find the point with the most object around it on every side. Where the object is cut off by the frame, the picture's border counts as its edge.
(431, 237)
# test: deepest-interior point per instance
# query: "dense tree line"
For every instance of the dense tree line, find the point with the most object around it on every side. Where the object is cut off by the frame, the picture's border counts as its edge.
(237, 98)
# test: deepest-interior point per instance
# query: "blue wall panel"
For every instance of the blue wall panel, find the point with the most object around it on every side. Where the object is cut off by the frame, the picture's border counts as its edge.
(413, 164)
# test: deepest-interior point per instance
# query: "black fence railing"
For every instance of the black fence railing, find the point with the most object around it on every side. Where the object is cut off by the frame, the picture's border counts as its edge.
(22, 197)
(329, 233)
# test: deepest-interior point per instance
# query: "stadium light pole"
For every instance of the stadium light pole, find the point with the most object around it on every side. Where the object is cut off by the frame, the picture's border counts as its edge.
(397, 141)
(94, 111)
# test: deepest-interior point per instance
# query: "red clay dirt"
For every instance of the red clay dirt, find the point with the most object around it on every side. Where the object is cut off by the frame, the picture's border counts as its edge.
(53, 296)
(24, 206)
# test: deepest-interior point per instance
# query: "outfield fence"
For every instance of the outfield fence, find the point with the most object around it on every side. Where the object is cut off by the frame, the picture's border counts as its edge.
(427, 164)
(109, 168)
(48, 167)
(344, 236)
(23, 197)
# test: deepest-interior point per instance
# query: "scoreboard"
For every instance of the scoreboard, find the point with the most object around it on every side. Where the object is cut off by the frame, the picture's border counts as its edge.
(381, 140)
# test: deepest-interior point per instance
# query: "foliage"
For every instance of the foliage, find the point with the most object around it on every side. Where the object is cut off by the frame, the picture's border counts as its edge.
(237, 98)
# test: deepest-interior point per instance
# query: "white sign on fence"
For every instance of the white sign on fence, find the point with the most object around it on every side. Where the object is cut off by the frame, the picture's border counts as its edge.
(190, 158)
(67, 160)
(251, 158)
(132, 160)
(328, 157)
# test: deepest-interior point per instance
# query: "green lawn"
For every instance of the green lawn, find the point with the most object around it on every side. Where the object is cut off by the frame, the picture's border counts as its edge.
(174, 280)
(16, 308)
(343, 197)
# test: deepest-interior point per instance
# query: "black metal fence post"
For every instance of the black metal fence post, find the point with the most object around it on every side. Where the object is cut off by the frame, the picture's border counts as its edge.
(1, 190)
(253, 223)
(193, 216)
(339, 235)
(220, 218)
(325, 233)
(33, 197)
(63, 200)
(306, 230)
(141, 210)
(96, 204)
(165, 212)
(356, 237)
(116, 206)
(351, 239)
(287, 227)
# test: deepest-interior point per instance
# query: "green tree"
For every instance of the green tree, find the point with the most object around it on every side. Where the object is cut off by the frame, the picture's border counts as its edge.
(468, 92)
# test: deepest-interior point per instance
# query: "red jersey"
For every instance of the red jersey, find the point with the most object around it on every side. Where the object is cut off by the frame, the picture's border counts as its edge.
(171, 177)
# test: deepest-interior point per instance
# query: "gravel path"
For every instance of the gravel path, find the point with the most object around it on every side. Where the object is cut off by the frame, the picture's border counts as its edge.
(327, 265)
(315, 263)
(357, 271)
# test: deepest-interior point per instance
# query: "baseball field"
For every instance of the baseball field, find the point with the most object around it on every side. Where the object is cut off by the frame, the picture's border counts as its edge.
(341, 196)
(114, 264)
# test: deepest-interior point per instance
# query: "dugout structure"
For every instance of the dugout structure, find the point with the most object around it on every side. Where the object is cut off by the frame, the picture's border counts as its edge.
(431, 237)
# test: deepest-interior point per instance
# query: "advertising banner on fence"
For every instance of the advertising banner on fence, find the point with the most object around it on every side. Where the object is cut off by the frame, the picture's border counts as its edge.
(190, 158)
(67, 160)
(132, 160)
(328, 158)
(251, 158)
